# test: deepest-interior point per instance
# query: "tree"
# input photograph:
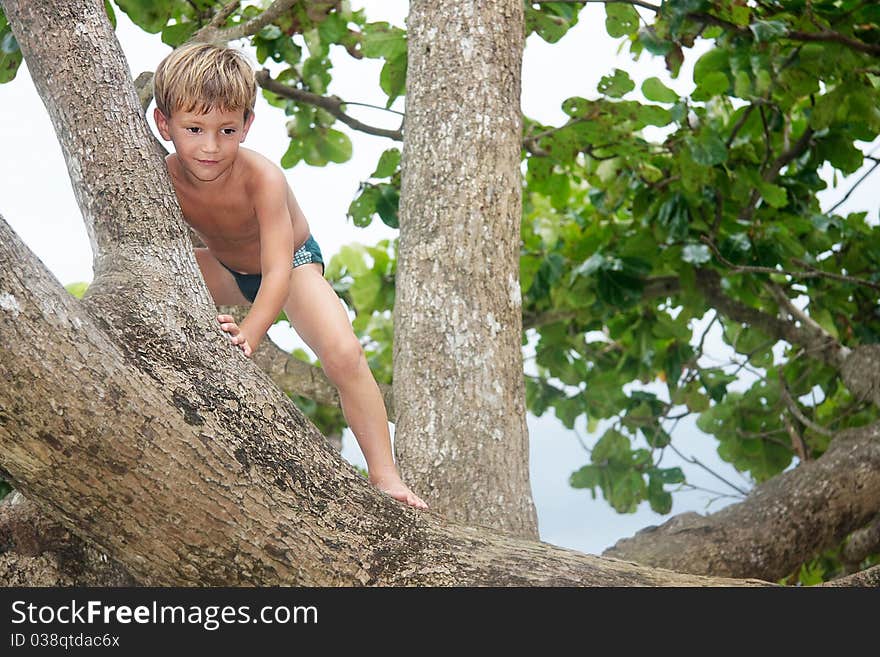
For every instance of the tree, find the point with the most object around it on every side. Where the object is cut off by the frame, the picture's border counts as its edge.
(621, 262)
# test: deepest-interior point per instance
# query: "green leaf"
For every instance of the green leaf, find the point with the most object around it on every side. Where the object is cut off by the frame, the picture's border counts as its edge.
(334, 146)
(77, 289)
(768, 30)
(612, 446)
(616, 85)
(589, 266)
(387, 204)
(270, 32)
(695, 400)
(111, 14)
(352, 258)
(388, 163)
(382, 40)
(659, 499)
(713, 84)
(549, 26)
(392, 79)
(176, 34)
(8, 42)
(712, 62)
(586, 477)
(708, 149)
(621, 20)
(654, 89)
(365, 290)
(363, 207)
(652, 43)
(775, 195)
(149, 15)
(742, 85)
(9, 64)
(293, 155)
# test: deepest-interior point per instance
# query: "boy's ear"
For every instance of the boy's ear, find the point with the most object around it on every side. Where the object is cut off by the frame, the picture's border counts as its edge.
(162, 124)
(247, 126)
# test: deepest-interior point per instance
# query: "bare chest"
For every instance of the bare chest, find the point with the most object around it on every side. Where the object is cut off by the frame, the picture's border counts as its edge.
(225, 216)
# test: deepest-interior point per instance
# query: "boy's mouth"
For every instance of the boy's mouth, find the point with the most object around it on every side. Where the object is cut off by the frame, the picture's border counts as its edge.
(207, 161)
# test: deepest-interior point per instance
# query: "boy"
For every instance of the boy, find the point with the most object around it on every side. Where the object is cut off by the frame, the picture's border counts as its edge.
(259, 248)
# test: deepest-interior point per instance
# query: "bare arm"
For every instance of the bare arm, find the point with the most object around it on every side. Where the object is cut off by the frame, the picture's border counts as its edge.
(276, 254)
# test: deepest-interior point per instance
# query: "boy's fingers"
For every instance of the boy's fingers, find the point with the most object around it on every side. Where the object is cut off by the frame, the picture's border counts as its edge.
(225, 318)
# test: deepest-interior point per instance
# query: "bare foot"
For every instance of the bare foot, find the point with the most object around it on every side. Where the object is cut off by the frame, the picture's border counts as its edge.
(394, 486)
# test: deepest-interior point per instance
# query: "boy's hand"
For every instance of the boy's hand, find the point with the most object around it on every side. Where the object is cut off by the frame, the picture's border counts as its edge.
(227, 324)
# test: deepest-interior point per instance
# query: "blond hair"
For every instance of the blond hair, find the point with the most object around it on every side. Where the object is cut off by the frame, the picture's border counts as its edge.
(199, 77)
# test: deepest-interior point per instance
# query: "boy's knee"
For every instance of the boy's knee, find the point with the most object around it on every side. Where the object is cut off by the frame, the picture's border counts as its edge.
(343, 358)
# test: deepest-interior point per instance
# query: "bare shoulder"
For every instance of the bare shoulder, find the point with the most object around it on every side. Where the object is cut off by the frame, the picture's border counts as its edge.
(261, 174)
(171, 162)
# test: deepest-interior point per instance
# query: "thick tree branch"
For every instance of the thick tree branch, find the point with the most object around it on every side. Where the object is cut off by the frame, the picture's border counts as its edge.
(213, 33)
(869, 578)
(634, 3)
(782, 523)
(332, 104)
(808, 272)
(37, 551)
(862, 543)
(835, 37)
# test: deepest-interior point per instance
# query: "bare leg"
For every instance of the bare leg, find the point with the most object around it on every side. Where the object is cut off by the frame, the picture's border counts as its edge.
(317, 315)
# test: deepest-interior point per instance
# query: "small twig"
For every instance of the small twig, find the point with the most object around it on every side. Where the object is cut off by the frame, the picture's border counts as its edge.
(686, 488)
(792, 406)
(857, 183)
(835, 37)
(697, 462)
(739, 124)
(795, 312)
(706, 332)
(378, 107)
(798, 445)
(223, 14)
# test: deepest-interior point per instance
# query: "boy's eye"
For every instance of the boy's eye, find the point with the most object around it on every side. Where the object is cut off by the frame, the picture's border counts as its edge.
(228, 131)
(193, 130)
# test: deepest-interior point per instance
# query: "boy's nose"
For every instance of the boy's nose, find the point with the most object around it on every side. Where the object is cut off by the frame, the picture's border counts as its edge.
(210, 145)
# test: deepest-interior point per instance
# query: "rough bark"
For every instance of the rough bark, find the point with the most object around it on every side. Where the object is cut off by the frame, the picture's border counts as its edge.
(865, 578)
(782, 523)
(37, 551)
(458, 384)
(130, 419)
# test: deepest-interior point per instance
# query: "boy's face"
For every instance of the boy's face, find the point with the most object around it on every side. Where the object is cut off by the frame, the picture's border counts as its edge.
(206, 144)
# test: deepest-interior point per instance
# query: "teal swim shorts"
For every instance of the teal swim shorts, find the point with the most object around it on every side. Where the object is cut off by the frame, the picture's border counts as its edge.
(249, 284)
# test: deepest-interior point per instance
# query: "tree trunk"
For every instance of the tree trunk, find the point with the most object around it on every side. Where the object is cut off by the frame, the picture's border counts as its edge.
(461, 434)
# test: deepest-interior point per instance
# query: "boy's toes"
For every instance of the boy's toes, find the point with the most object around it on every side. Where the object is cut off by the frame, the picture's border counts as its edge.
(414, 500)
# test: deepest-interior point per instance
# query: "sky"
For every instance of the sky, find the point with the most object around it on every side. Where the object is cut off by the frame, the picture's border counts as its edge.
(36, 199)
